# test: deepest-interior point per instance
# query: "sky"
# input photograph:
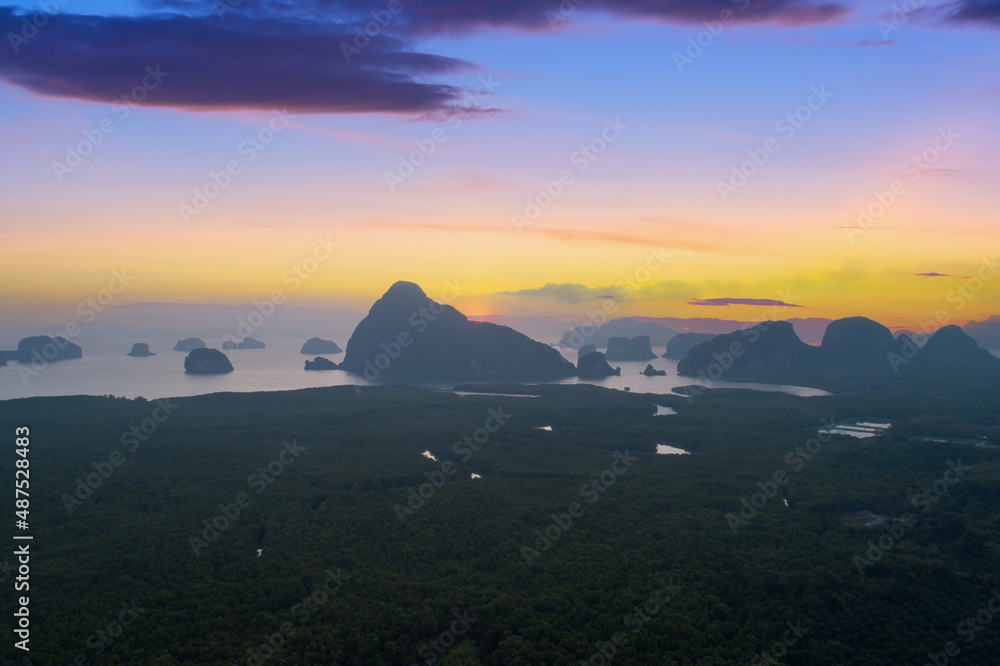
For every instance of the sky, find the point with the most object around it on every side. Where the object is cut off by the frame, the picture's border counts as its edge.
(684, 159)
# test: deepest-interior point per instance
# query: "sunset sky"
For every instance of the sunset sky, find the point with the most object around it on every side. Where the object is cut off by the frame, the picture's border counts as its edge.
(643, 109)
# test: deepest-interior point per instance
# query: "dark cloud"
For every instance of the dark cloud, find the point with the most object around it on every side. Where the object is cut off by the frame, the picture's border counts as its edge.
(265, 54)
(448, 16)
(741, 301)
(239, 62)
(983, 11)
(452, 16)
(933, 275)
(262, 54)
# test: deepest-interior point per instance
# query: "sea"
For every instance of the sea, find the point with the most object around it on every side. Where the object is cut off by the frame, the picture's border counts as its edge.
(106, 369)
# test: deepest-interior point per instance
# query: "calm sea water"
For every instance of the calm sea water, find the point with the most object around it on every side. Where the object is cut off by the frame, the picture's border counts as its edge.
(106, 370)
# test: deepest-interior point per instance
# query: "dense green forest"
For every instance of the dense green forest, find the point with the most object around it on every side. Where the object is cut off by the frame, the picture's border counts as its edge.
(575, 545)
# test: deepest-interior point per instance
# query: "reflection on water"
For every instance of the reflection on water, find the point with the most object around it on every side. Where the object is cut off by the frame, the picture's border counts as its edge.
(106, 370)
(632, 377)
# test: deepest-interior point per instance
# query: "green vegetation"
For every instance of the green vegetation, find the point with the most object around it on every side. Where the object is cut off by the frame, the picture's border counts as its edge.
(346, 577)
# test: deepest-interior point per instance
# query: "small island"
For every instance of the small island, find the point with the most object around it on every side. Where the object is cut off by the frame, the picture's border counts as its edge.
(251, 343)
(320, 346)
(188, 344)
(320, 363)
(625, 349)
(42, 348)
(595, 366)
(650, 371)
(140, 350)
(247, 343)
(207, 362)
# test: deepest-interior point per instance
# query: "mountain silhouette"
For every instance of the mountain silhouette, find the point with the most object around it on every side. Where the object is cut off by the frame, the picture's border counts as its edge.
(625, 349)
(595, 366)
(854, 349)
(406, 335)
(682, 343)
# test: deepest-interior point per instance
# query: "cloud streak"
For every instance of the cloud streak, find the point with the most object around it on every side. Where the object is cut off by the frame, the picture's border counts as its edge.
(572, 292)
(725, 302)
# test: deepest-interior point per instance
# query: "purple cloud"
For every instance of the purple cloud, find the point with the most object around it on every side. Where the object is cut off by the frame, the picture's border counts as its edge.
(451, 16)
(724, 302)
(933, 275)
(983, 11)
(266, 54)
(239, 62)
